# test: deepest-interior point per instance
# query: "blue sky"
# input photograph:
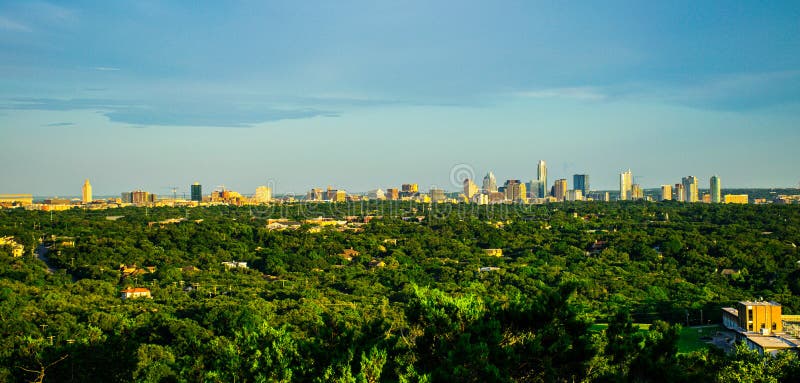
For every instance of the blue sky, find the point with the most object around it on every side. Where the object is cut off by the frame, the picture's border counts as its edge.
(369, 94)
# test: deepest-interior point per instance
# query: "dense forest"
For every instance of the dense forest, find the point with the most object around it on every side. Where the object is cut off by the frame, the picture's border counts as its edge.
(402, 292)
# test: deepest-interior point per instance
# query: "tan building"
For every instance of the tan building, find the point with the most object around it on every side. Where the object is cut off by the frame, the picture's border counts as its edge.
(760, 325)
(666, 192)
(636, 192)
(515, 191)
(410, 188)
(263, 194)
(470, 188)
(392, 194)
(86, 192)
(135, 292)
(493, 252)
(560, 189)
(16, 249)
(736, 198)
(16, 199)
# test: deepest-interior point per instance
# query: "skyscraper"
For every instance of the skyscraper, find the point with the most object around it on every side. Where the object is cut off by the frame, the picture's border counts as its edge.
(197, 192)
(515, 191)
(716, 189)
(541, 176)
(679, 193)
(690, 189)
(666, 192)
(470, 189)
(86, 192)
(581, 182)
(625, 183)
(489, 183)
(636, 192)
(263, 194)
(560, 189)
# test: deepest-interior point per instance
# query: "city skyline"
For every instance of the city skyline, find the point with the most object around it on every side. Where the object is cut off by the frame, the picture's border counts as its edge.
(359, 94)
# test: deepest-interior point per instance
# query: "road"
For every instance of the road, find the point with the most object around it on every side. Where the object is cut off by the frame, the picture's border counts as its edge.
(41, 253)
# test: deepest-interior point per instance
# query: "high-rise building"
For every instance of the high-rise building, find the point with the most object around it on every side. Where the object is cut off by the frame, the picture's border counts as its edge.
(489, 183)
(376, 194)
(636, 192)
(197, 192)
(690, 193)
(581, 182)
(470, 189)
(560, 189)
(625, 184)
(409, 190)
(263, 194)
(437, 195)
(679, 193)
(86, 192)
(666, 192)
(515, 191)
(574, 195)
(392, 194)
(716, 189)
(541, 177)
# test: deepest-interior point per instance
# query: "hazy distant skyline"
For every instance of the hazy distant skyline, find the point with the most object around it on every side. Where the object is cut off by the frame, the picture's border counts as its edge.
(368, 94)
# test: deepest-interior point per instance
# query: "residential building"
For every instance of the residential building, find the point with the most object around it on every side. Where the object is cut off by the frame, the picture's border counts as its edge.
(135, 292)
(197, 192)
(737, 198)
(86, 192)
(16, 249)
(581, 182)
(666, 192)
(376, 194)
(560, 189)
(489, 183)
(690, 193)
(679, 193)
(574, 195)
(625, 184)
(263, 194)
(716, 189)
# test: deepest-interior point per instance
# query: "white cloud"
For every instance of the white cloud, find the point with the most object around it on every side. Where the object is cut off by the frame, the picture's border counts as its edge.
(574, 93)
(12, 25)
(106, 69)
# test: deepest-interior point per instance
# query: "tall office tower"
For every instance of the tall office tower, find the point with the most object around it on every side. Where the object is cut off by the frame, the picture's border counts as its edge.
(636, 192)
(409, 190)
(541, 176)
(560, 189)
(581, 182)
(437, 195)
(716, 189)
(678, 193)
(666, 192)
(470, 189)
(197, 192)
(690, 189)
(86, 191)
(515, 191)
(392, 194)
(489, 183)
(263, 194)
(625, 183)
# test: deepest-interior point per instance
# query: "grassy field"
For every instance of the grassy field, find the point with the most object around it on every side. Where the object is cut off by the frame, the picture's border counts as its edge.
(690, 339)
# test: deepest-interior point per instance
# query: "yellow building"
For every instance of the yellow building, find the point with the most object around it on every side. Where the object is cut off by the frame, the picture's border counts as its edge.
(16, 199)
(760, 325)
(736, 198)
(493, 252)
(86, 192)
(16, 249)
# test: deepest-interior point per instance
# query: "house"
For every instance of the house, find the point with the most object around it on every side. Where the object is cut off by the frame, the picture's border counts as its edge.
(348, 254)
(235, 265)
(135, 292)
(16, 249)
(493, 252)
(377, 263)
